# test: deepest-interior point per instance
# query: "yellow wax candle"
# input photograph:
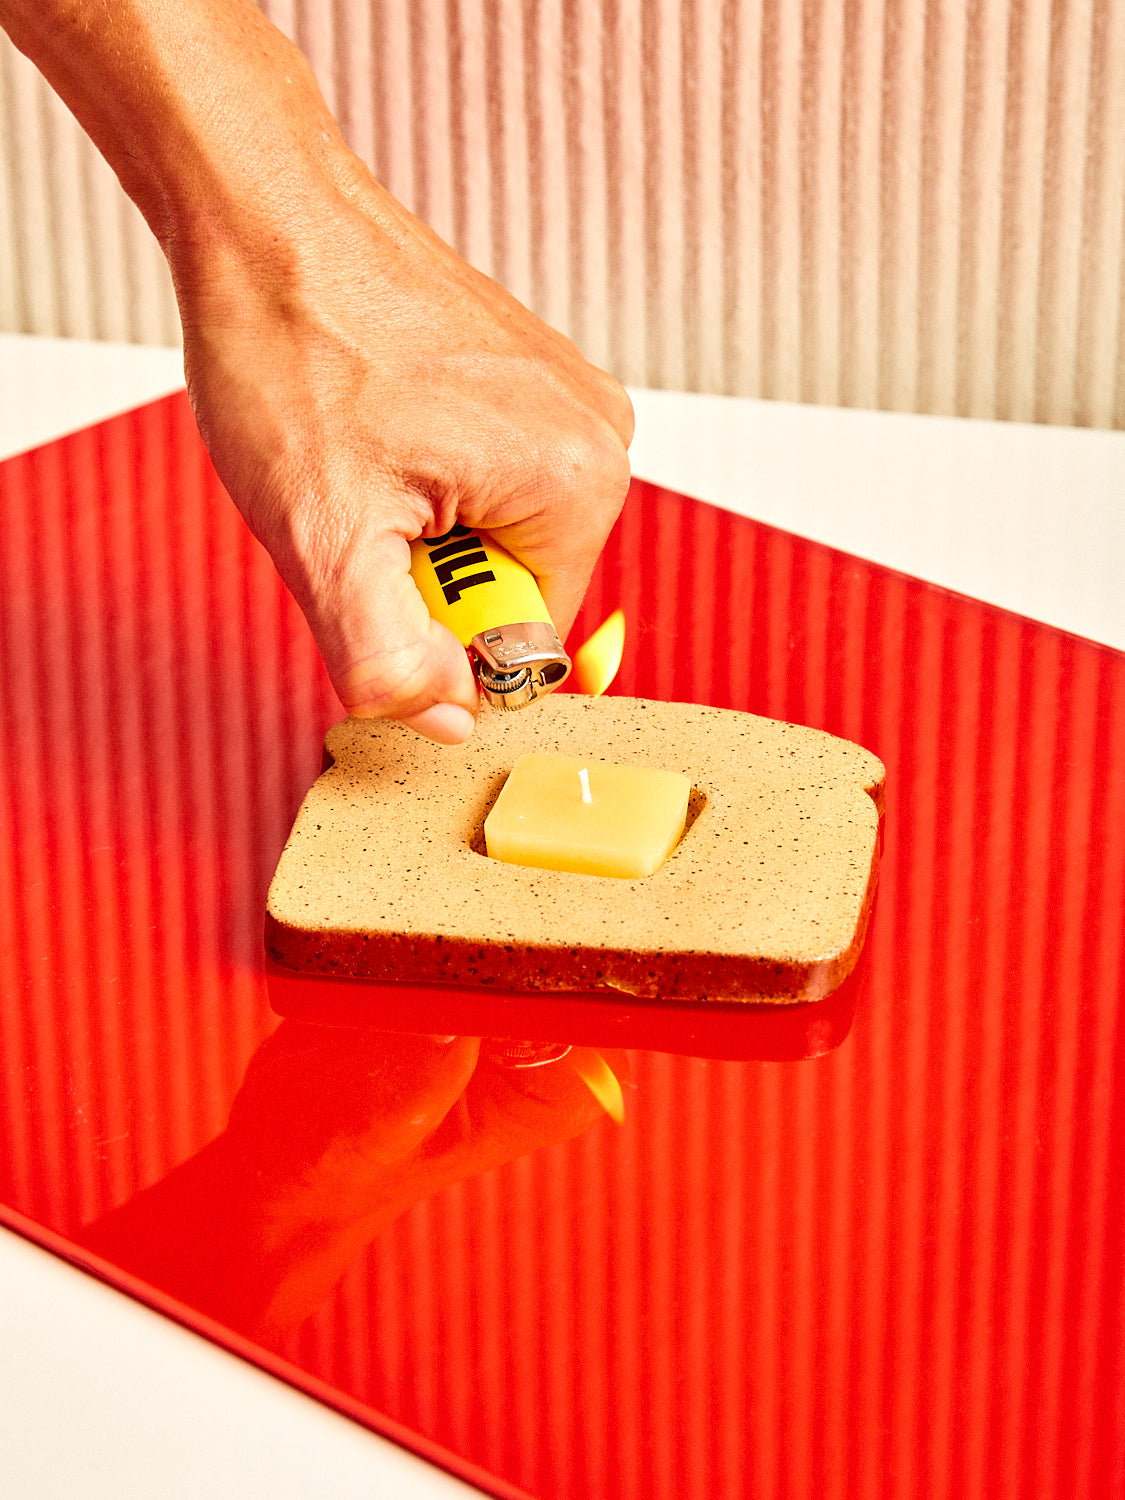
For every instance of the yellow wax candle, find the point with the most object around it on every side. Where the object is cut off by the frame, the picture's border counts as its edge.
(615, 820)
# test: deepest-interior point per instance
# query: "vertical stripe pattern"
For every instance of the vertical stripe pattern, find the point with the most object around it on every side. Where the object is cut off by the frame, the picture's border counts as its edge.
(910, 204)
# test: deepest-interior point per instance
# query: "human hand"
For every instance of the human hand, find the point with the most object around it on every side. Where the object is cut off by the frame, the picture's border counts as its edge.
(357, 385)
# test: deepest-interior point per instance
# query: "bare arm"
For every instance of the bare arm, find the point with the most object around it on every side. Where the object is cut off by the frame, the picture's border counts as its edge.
(356, 382)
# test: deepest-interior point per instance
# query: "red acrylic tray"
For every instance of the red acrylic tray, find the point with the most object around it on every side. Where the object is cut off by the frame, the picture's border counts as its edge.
(895, 1268)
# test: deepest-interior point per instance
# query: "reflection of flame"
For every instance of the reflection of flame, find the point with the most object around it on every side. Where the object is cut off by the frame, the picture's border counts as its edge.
(596, 662)
(601, 1080)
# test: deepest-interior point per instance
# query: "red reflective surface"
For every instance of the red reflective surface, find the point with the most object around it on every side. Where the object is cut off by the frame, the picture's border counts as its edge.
(886, 1261)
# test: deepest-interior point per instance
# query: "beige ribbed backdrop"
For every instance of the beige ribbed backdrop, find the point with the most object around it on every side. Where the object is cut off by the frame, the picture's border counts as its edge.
(915, 204)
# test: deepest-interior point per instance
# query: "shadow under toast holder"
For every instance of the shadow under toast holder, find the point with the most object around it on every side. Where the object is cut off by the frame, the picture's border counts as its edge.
(718, 1030)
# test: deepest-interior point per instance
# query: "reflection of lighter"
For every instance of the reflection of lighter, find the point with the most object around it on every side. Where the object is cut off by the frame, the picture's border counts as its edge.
(590, 1066)
(493, 606)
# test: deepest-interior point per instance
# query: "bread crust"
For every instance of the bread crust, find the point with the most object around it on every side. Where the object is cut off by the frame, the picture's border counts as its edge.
(766, 898)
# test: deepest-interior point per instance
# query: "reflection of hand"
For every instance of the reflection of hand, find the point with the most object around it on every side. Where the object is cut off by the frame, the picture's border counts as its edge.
(325, 1113)
(257, 1227)
(507, 1112)
(334, 1134)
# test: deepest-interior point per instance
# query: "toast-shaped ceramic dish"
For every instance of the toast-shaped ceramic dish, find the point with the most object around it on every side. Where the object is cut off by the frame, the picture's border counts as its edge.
(765, 898)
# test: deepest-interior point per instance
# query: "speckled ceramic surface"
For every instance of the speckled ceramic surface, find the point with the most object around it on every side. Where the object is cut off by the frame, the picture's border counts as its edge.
(765, 898)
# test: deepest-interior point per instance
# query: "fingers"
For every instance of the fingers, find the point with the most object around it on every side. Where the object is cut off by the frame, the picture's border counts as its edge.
(387, 658)
(445, 724)
(581, 484)
(422, 678)
(618, 407)
(390, 389)
(605, 476)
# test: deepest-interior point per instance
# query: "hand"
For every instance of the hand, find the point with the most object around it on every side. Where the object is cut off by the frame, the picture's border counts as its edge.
(357, 384)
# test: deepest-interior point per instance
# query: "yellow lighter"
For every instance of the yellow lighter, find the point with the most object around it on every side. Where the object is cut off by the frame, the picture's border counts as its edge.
(493, 606)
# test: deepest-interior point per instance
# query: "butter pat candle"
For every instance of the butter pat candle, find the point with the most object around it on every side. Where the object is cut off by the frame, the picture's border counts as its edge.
(633, 818)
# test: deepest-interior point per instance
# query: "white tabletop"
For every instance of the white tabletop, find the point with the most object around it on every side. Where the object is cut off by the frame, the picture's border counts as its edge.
(1031, 518)
(101, 1397)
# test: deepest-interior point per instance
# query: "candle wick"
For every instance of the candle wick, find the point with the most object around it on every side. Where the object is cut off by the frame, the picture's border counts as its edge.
(584, 783)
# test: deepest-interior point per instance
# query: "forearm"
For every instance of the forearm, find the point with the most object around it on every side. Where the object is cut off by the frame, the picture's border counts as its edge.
(355, 381)
(210, 117)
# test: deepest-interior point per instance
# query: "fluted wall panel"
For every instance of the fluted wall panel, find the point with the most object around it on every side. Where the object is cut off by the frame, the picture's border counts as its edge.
(76, 258)
(912, 204)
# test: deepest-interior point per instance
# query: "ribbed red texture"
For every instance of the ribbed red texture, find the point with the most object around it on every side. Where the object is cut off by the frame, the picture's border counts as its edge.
(897, 1270)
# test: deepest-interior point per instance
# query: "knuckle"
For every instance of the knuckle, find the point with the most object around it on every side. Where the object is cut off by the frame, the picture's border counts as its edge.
(592, 465)
(389, 683)
(620, 411)
(609, 466)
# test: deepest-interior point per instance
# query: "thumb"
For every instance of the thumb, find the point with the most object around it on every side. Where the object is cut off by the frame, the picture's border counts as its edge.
(387, 658)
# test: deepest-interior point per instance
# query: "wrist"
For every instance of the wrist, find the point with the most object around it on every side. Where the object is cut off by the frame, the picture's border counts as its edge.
(257, 227)
(233, 154)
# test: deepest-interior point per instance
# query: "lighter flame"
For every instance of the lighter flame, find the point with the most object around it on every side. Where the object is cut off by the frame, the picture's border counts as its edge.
(600, 1079)
(596, 662)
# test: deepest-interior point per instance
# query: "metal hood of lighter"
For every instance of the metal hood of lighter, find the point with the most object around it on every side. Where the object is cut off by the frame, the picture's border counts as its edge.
(493, 606)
